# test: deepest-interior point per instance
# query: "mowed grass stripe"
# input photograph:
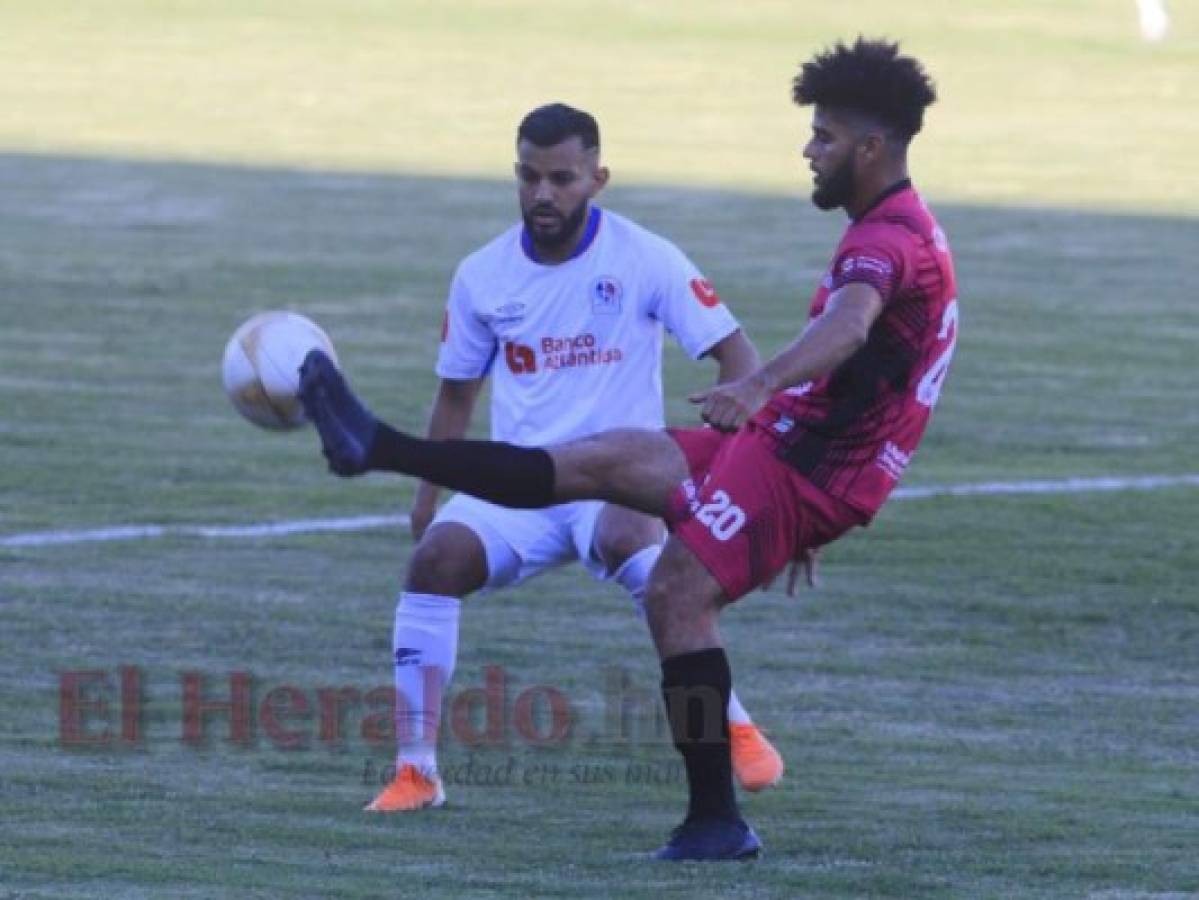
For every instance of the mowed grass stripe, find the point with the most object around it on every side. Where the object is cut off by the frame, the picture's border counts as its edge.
(363, 523)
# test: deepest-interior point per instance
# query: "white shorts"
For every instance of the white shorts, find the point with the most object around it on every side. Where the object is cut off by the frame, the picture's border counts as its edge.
(521, 543)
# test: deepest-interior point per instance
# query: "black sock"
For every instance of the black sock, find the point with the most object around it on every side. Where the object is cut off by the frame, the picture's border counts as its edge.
(696, 688)
(521, 477)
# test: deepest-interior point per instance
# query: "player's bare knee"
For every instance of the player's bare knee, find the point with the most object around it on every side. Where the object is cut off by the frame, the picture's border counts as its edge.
(449, 560)
(621, 534)
(616, 550)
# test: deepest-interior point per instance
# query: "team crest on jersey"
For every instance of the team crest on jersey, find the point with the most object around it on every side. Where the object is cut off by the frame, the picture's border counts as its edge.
(606, 295)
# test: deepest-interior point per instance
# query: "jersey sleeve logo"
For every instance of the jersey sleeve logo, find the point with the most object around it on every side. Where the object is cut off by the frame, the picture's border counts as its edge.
(704, 292)
(606, 295)
(867, 265)
(876, 271)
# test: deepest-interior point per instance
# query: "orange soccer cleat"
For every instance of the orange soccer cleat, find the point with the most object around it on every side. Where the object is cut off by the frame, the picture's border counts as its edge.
(756, 763)
(410, 790)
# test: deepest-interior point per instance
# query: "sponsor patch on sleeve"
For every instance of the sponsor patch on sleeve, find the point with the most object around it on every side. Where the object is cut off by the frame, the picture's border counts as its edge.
(864, 267)
(704, 292)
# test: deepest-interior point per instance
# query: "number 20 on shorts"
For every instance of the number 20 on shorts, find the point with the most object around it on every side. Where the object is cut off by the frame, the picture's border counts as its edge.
(721, 516)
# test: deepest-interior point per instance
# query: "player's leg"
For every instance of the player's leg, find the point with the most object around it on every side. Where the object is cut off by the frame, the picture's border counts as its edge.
(683, 605)
(447, 564)
(739, 528)
(471, 545)
(635, 468)
(629, 543)
(631, 467)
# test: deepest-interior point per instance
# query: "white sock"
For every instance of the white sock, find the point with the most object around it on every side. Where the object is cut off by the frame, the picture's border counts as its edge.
(633, 576)
(424, 650)
(737, 713)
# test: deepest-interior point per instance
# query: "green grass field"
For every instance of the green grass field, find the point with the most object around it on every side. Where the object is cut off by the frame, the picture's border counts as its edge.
(989, 696)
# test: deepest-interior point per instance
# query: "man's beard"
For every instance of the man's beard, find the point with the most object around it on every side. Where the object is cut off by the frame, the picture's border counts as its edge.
(565, 232)
(837, 187)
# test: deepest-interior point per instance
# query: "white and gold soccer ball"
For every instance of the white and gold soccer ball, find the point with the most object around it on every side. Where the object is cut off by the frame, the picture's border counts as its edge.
(261, 368)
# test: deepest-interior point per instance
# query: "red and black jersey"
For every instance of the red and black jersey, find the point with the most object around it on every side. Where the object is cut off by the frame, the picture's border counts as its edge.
(853, 432)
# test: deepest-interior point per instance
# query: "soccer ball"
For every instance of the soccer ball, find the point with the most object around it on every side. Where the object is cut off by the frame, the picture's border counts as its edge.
(261, 368)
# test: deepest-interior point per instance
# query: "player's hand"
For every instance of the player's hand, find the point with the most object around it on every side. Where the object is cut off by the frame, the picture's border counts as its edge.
(347, 428)
(730, 405)
(807, 564)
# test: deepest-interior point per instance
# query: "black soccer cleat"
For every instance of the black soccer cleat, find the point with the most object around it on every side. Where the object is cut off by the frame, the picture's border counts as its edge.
(711, 839)
(346, 427)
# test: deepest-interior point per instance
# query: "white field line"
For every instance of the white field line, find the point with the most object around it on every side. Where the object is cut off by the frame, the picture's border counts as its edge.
(146, 532)
(1063, 486)
(363, 523)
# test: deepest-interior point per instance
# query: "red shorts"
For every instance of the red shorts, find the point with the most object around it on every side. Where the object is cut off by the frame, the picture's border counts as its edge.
(744, 512)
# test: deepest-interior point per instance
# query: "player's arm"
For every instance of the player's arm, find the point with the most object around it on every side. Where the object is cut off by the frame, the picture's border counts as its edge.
(453, 408)
(829, 340)
(736, 356)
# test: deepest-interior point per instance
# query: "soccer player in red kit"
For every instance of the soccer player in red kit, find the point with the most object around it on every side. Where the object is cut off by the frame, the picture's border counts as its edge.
(797, 453)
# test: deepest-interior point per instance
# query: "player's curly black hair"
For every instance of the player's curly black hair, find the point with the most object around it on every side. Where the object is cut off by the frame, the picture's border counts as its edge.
(554, 123)
(868, 77)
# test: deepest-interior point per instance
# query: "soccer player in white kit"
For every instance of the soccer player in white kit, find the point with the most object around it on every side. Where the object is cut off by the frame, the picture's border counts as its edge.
(566, 312)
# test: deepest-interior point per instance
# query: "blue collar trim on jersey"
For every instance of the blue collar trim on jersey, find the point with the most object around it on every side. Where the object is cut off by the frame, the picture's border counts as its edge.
(589, 234)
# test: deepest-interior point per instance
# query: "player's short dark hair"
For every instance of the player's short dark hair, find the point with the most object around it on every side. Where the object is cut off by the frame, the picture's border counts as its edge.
(556, 122)
(869, 77)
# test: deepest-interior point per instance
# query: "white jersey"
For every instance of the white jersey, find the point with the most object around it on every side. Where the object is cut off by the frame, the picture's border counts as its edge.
(576, 347)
